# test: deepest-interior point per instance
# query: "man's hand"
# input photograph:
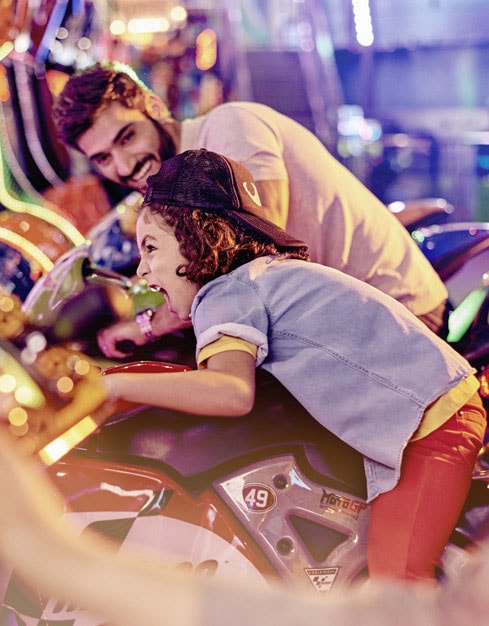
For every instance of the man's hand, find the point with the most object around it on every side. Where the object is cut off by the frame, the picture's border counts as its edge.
(164, 322)
(29, 504)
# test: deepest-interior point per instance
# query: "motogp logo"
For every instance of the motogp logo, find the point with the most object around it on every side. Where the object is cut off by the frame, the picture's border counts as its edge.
(259, 498)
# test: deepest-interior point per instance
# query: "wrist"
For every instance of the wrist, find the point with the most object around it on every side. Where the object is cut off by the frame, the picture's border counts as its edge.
(144, 322)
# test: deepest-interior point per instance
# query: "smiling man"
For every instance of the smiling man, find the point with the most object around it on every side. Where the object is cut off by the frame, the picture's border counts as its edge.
(126, 146)
(127, 131)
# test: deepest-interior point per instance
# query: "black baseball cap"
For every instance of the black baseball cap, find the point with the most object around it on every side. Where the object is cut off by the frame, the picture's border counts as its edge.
(206, 180)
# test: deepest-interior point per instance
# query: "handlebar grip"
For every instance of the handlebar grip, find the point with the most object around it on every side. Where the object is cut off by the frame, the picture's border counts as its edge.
(126, 346)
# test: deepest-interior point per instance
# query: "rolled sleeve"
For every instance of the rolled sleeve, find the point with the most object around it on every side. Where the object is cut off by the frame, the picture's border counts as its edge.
(240, 331)
(231, 307)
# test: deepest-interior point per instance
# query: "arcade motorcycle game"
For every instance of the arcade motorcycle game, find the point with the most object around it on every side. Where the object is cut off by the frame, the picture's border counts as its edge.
(268, 498)
(271, 497)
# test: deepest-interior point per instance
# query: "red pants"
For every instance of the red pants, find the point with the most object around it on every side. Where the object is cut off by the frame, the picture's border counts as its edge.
(411, 524)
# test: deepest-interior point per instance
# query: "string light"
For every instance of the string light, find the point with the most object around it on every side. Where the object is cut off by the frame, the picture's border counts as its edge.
(32, 251)
(363, 22)
(44, 213)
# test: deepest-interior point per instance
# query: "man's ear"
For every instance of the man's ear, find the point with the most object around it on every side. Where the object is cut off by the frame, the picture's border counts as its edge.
(156, 108)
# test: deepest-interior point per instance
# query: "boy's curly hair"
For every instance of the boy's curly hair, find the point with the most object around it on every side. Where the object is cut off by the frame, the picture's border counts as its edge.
(89, 92)
(214, 244)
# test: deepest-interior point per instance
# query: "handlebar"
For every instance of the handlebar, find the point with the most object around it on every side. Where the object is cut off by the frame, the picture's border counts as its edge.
(103, 276)
(126, 346)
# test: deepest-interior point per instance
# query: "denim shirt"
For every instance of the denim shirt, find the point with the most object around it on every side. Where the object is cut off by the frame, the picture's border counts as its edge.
(361, 363)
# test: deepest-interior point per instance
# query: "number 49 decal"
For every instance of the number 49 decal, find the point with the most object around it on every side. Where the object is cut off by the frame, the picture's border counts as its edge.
(259, 498)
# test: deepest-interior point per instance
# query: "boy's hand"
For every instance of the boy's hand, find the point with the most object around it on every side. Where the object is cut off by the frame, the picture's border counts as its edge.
(164, 322)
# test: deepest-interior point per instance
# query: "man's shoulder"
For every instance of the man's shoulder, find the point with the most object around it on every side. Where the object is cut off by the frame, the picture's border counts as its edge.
(223, 115)
(240, 108)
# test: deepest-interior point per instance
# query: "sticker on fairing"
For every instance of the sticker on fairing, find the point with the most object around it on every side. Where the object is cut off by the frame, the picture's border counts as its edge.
(259, 498)
(350, 506)
(322, 578)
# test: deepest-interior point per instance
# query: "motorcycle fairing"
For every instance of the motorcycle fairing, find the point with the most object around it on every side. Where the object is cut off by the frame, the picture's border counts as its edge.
(145, 509)
(311, 527)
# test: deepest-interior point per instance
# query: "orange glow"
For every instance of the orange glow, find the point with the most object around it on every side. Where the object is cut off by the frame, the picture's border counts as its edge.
(206, 50)
(483, 379)
(56, 81)
(54, 450)
(4, 90)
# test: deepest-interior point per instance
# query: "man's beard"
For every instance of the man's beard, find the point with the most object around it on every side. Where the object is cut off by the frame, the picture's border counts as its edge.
(167, 146)
(166, 150)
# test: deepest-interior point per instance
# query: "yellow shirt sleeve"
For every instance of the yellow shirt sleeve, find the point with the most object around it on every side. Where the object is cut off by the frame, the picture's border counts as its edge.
(441, 410)
(225, 343)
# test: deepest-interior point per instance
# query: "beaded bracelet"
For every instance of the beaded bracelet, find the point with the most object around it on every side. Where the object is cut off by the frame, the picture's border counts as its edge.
(143, 320)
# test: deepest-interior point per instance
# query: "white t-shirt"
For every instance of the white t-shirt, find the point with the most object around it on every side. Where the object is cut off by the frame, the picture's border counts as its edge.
(345, 225)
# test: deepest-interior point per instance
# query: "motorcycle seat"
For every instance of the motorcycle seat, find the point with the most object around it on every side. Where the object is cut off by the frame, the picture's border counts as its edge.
(199, 449)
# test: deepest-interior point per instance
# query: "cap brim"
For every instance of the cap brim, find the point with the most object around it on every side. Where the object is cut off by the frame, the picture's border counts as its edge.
(266, 229)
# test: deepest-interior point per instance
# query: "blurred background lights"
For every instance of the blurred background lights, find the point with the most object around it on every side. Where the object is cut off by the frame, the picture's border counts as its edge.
(8, 383)
(148, 25)
(17, 416)
(62, 33)
(36, 342)
(117, 27)
(23, 388)
(397, 206)
(28, 357)
(206, 49)
(363, 22)
(178, 14)
(64, 384)
(6, 304)
(82, 367)
(22, 43)
(68, 440)
(26, 396)
(17, 381)
(20, 429)
(84, 43)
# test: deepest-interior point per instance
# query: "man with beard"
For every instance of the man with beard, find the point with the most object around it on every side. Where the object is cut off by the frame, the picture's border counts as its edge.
(127, 131)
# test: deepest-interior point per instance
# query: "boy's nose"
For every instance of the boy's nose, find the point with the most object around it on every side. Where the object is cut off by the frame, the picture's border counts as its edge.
(142, 270)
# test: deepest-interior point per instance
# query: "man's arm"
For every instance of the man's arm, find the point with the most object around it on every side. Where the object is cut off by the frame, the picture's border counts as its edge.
(51, 557)
(274, 196)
